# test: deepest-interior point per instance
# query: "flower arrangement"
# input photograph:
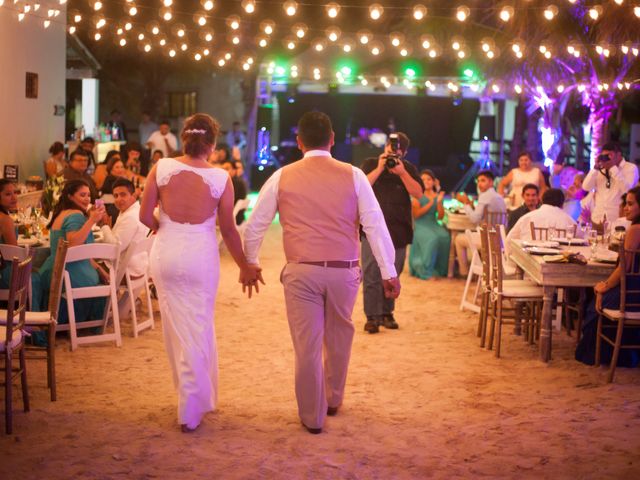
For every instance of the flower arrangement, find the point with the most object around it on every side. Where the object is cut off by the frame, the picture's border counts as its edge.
(52, 191)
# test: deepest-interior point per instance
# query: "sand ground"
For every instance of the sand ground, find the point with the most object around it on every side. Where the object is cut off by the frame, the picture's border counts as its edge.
(421, 402)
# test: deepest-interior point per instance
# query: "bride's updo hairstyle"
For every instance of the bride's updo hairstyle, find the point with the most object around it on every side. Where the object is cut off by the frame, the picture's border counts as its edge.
(199, 134)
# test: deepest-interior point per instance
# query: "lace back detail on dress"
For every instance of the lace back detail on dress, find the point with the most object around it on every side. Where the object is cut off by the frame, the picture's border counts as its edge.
(215, 178)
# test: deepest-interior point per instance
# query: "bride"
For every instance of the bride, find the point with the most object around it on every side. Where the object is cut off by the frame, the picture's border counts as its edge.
(185, 264)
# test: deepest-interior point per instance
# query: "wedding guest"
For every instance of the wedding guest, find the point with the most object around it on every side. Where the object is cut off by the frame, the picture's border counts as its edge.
(162, 139)
(77, 170)
(146, 128)
(611, 177)
(608, 296)
(550, 214)
(115, 170)
(429, 254)
(101, 171)
(116, 126)
(8, 203)
(133, 152)
(240, 188)
(531, 198)
(321, 201)
(518, 177)
(88, 144)
(72, 220)
(488, 201)
(127, 231)
(155, 157)
(185, 265)
(56, 163)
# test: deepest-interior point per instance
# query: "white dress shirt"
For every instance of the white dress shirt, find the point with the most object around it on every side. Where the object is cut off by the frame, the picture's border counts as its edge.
(371, 219)
(489, 200)
(545, 216)
(157, 141)
(127, 230)
(607, 200)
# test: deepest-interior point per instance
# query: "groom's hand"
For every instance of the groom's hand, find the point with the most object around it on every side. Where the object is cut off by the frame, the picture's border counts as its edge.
(250, 278)
(391, 287)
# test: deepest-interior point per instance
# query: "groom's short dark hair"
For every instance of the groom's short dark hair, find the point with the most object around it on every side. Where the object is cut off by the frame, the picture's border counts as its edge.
(315, 129)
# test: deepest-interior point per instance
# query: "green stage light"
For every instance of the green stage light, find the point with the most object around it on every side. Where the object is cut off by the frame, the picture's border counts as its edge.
(410, 72)
(468, 72)
(346, 71)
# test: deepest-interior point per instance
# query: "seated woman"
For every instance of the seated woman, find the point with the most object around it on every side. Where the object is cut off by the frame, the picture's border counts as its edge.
(115, 170)
(608, 296)
(101, 171)
(72, 220)
(56, 163)
(8, 234)
(429, 255)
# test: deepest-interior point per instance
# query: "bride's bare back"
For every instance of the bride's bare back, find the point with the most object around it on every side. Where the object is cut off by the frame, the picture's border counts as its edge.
(187, 198)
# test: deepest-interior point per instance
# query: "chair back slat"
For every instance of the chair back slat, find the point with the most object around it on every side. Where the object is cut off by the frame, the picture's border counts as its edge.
(102, 251)
(495, 253)
(542, 233)
(55, 290)
(18, 296)
(630, 280)
(483, 230)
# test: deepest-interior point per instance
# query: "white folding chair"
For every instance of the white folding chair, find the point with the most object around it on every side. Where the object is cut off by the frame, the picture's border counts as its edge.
(9, 252)
(475, 269)
(134, 285)
(93, 251)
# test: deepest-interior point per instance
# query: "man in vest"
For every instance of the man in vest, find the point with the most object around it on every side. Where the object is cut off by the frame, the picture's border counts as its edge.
(321, 202)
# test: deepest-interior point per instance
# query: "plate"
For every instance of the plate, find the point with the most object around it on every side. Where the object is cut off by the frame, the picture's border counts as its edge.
(574, 241)
(608, 259)
(540, 243)
(543, 251)
(23, 242)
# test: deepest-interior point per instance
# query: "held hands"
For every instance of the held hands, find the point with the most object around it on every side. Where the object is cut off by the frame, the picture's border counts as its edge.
(391, 287)
(250, 277)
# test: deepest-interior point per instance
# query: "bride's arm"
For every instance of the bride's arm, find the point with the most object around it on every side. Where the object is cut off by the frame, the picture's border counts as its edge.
(149, 201)
(249, 274)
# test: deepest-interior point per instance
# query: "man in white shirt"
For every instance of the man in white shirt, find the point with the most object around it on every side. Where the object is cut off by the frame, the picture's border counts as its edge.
(321, 201)
(488, 201)
(127, 231)
(550, 214)
(611, 177)
(163, 140)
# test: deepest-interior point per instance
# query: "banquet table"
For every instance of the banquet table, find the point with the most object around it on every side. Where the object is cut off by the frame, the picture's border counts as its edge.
(556, 275)
(456, 223)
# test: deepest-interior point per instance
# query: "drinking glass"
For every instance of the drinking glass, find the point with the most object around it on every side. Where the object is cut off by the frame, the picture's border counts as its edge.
(592, 235)
(569, 233)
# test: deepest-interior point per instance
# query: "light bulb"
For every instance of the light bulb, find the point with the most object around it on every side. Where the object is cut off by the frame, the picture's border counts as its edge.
(419, 12)
(375, 11)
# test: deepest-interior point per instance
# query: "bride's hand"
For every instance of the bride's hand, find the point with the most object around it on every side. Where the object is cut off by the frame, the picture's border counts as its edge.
(250, 278)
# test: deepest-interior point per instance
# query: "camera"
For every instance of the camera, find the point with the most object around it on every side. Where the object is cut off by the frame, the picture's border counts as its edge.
(603, 157)
(392, 158)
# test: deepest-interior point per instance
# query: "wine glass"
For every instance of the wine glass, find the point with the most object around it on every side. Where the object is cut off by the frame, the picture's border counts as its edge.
(570, 232)
(592, 235)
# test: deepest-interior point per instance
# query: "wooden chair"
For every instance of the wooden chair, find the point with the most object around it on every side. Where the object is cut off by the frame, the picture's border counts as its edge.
(514, 291)
(492, 218)
(93, 251)
(133, 285)
(475, 270)
(485, 301)
(629, 297)
(9, 252)
(12, 338)
(542, 233)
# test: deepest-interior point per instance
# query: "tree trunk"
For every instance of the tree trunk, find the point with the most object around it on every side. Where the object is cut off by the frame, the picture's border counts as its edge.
(599, 122)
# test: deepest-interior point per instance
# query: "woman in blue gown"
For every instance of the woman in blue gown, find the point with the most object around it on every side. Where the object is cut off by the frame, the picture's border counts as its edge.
(429, 253)
(72, 220)
(608, 296)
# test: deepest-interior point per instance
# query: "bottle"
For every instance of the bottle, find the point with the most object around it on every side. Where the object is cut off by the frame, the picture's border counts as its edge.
(605, 225)
(618, 235)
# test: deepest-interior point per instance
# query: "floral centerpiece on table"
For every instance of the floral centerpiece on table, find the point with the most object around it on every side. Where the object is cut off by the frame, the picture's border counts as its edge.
(52, 191)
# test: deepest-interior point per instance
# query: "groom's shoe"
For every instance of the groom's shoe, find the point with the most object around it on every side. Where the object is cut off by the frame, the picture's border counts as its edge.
(313, 431)
(389, 322)
(372, 325)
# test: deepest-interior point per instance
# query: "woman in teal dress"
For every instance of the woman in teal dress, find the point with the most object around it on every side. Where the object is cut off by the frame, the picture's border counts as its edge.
(72, 220)
(429, 253)
(8, 235)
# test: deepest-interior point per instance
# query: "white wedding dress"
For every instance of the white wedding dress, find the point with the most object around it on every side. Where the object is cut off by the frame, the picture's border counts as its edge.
(185, 269)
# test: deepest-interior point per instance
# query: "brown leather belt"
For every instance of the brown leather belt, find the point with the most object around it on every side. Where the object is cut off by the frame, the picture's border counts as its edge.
(334, 263)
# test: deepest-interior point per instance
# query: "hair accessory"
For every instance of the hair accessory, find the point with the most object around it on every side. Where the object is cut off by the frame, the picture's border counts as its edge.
(196, 131)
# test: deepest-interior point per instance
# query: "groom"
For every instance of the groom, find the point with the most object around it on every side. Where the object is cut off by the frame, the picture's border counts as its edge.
(321, 202)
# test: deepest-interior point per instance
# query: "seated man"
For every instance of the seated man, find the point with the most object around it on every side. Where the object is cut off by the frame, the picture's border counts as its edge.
(531, 201)
(550, 214)
(77, 170)
(127, 230)
(488, 201)
(240, 188)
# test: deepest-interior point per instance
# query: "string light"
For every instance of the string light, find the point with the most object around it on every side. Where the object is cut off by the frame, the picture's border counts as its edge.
(462, 13)
(419, 12)
(249, 6)
(364, 36)
(506, 14)
(207, 5)
(595, 12)
(550, 12)
(290, 8)
(332, 9)
(267, 26)
(167, 3)
(375, 11)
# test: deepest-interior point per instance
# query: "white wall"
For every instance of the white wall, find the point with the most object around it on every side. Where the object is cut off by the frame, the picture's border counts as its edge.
(28, 126)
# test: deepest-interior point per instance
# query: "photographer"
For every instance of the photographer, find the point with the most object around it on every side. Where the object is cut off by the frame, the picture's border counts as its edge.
(610, 178)
(394, 182)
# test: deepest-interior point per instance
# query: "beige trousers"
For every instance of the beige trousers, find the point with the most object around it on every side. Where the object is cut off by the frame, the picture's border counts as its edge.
(319, 303)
